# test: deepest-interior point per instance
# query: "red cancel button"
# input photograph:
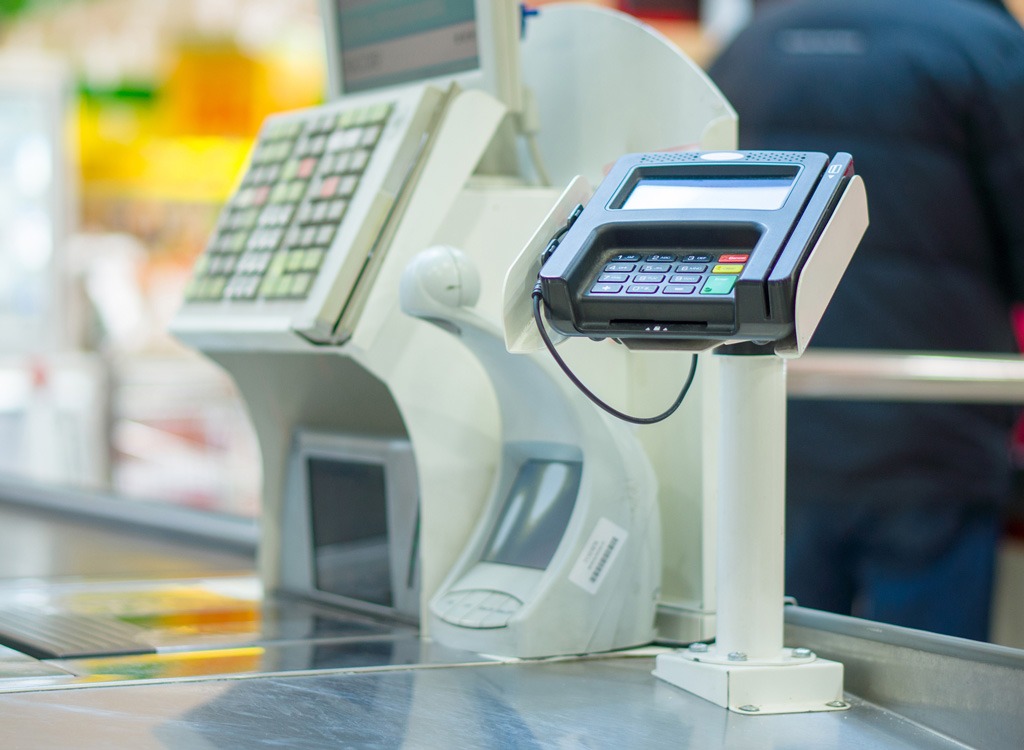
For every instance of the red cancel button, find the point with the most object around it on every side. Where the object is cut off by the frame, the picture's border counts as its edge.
(733, 258)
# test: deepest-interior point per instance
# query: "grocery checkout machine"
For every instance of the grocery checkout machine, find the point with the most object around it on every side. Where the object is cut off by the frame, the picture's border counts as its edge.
(375, 371)
(382, 288)
(296, 297)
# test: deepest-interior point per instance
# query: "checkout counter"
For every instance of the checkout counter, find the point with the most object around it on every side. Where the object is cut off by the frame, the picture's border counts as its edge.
(458, 548)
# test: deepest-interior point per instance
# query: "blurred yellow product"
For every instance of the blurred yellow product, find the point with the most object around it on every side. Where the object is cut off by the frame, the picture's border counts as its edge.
(214, 89)
(191, 169)
(175, 664)
(187, 139)
(111, 124)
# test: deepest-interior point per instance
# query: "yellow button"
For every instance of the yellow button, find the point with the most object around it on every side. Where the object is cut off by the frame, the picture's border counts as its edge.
(727, 268)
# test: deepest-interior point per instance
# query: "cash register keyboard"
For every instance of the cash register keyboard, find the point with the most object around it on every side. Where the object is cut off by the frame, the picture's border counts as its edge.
(275, 231)
(633, 275)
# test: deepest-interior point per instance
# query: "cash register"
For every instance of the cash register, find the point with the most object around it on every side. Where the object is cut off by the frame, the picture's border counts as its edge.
(417, 100)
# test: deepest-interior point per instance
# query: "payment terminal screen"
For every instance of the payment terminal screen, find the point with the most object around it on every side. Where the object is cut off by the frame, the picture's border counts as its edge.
(755, 193)
(535, 514)
(389, 42)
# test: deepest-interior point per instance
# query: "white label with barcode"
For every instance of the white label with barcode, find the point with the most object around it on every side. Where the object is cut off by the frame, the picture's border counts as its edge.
(598, 556)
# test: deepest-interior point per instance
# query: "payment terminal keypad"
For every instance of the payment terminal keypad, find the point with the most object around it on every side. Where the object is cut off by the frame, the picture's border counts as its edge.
(477, 608)
(689, 273)
(277, 228)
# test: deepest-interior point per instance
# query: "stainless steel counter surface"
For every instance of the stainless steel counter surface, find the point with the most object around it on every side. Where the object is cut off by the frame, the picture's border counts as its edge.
(285, 681)
(606, 703)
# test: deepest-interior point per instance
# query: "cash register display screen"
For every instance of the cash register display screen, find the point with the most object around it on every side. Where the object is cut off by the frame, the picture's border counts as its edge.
(754, 193)
(535, 514)
(390, 42)
(350, 529)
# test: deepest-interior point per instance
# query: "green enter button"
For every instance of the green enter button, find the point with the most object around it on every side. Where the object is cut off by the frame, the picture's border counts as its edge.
(719, 285)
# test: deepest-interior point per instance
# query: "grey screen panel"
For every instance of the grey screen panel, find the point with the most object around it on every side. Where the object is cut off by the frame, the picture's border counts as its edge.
(350, 529)
(754, 193)
(535, 514)
(390, 42)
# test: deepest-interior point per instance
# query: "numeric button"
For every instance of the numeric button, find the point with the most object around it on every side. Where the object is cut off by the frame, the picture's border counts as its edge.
(687, 278)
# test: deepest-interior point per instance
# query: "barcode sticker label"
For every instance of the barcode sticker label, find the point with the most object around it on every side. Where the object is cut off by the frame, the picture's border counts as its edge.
(598, 556)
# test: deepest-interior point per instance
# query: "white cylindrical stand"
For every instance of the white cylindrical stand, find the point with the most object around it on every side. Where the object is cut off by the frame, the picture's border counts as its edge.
(747, 669)
(751, 509)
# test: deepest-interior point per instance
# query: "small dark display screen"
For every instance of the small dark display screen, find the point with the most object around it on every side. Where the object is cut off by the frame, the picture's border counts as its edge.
(754, 193)
(535, 514)
(350, 529)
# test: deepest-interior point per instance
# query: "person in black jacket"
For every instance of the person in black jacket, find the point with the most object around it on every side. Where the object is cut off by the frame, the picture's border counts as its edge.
(894, 509)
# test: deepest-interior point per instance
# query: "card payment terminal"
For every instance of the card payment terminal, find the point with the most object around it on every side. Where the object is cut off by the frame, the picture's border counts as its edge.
(701, 247)
(692, 251)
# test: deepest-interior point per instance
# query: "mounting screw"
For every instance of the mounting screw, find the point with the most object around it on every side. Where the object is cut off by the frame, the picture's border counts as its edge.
(837, 704)
(699, 648)
(737, 656)
(748, 709)
(802, 653)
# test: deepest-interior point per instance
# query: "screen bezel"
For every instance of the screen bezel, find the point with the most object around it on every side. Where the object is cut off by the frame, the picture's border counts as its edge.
(497, 23)
(394, 455)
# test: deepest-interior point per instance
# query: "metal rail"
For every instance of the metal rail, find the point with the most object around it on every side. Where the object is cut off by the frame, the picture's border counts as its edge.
(907, 376)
